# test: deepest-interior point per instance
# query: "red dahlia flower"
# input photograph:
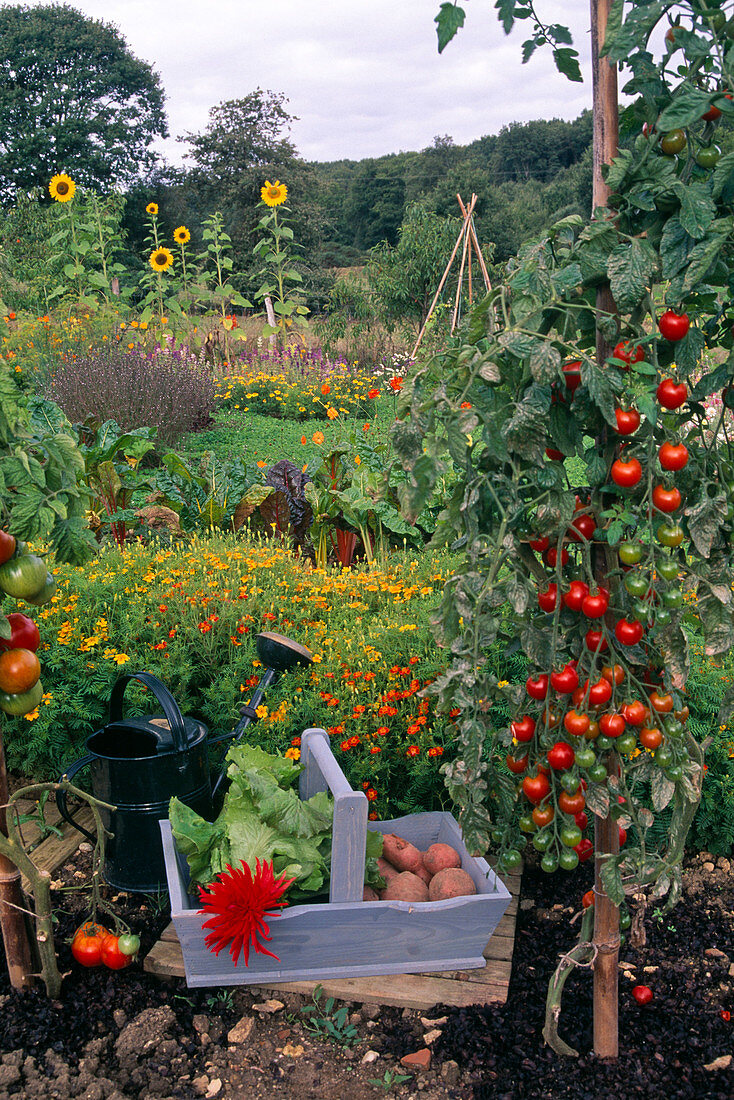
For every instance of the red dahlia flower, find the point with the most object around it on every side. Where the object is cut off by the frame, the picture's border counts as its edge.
(239, 902)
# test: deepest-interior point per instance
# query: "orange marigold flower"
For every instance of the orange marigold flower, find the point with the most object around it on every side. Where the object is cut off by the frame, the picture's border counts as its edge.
(371, 794)
(465, 404)
(413, 729)
(303, 439)
(375, 749)
(162, 607)
(296, 741)
(332, 413)
(414, 660)
(205, 627)
(373, 816)
(454, 712)
(345, 746)
(326, 388)
(413, 750)
(435, 751)
(353, 742)
(373, 393)
(318, 438)
(269, 616)
(396, 384)
(383, 730)
(261, 464)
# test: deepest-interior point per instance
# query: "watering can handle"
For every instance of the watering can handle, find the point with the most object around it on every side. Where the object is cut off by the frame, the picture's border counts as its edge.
(164, 697)
(61, 795)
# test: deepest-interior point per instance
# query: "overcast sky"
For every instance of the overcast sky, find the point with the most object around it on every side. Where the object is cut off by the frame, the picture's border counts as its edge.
(363, 76)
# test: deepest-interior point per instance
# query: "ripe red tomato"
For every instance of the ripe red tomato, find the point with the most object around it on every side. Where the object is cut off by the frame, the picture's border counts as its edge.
(642, 994)
(551, 556)
(711, 114)
(663, 704)
(86, 946)
(572, 803)
(566, 680)
(666, 500)
(595, 641)
(627, 353)
(7, 546)
(599, 693)
(670, 394)
(622, 837)
(572, 374)
(582, 528)
(581, 819)
(19, 670)
(523, 729)
(537, 689)
(673, 326)
(650, 737)
(112, 957)
(628, 631)
(561, 756)
(584, 849)
(588, 899)
(612, 725)
(577, 593)
(539, 545)
(626, 473)
(595, 604)
(536, 788)
(673, 456)
(635, 713)
(628, 421)
(614, 674)
(557, 456)
(547, 600)
(24, 633)
(517, 764)
(576, 724)
(543, 815)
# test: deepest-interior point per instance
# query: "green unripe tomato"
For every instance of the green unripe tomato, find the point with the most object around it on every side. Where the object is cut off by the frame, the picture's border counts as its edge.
(626, 743)
(673, 728)
(568, 860)
(542, 840)
(708, 157)
(585, 758)
(526, 824)
(549, 863)
(497, 834)
(604, 743)
(128, 943)
(673, 142)
(641, 611)
(667, 568)
(630, 553)
(625, 920)
(570, 836)
(673, 598)
(675, 773)
(663, 757)
(663, 617)
(511, 860)
(637, 584)
(670, 534)
(598, 773)
(570, 782)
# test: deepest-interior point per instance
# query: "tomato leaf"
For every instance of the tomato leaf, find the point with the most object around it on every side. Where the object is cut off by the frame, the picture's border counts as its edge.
(673, 642)
(6, 630)
(449, 21)
(706, 517)
(697, 210)
(597, 800)
(611, 879)
(662, 789)
(630, 268)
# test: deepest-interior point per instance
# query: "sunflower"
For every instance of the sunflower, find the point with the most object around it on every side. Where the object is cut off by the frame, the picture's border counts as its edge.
(161, 259)
(152, 209)
(273, 194)
(62, 188)
(181, 235)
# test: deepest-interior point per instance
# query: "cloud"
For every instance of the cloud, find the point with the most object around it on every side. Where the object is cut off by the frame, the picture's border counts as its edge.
(363, 76)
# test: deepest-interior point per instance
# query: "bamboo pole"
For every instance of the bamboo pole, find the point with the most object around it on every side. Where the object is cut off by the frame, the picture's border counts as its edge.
(12, 902)
(606, 830)
(475, 242)
(455, 316)
(444, 277)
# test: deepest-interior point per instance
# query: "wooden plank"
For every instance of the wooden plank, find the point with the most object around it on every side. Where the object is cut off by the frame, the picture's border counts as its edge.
(55, 850)
(30, 831)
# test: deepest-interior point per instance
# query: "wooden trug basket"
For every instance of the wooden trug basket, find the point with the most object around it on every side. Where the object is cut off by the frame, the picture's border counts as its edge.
(349, 937)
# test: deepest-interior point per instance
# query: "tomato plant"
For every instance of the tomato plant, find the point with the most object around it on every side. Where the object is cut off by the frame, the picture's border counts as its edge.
(673, 326)
(673, 456)
(86, 945)
(24, 633)
(670, 394)
(628, 421)
(626, 472)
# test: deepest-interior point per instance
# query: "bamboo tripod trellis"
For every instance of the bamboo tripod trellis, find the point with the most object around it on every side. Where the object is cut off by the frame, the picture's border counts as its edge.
(469, 243)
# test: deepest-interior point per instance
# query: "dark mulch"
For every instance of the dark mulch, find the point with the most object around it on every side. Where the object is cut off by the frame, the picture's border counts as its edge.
(86, 1044)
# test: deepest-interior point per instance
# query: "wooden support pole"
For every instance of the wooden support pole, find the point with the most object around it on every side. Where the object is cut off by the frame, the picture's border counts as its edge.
(455, 316)
(475, 242)
(606, 830)
(444, 277)
(12, 902)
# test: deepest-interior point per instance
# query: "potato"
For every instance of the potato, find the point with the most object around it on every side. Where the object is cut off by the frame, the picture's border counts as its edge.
(439, 857)
(368, 894)
(386, 869)
(405, 887)
(452, 882)
(401, 853)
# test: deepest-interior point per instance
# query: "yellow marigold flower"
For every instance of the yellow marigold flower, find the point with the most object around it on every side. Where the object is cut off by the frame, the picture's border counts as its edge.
(62, 188)
(293, 754)
(273, 194)
(332, 413)
(152, 209)
(160, 260)
(357, 460)
(181, 235)
(318, 438)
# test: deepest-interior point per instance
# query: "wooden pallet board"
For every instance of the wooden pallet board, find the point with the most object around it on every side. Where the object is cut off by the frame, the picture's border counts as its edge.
(458, 988)
(53, 852)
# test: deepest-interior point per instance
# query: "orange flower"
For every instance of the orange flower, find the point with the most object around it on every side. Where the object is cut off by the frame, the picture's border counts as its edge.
(383, 730)
(162, 607)
(414, 660)
(435, 751)
(303, 439)
(413, 750)
(205, 627)
(318, 438)
(373, 816)
(371, 794)
(261, 464)
(465, 404)
(366, 427)
(353, 742)
(326, 388)
(412, 730)
(374, 393)
(332, 413)
(396, 384)
(375, 749)
(345, 746)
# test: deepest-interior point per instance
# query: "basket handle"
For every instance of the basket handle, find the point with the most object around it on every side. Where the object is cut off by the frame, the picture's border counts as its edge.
(349, 829)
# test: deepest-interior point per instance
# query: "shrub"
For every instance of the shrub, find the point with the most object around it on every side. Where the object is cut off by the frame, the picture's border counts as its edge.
(166, 388)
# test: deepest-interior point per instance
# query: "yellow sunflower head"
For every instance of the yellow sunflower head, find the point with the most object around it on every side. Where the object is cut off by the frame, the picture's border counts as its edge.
(62, 188)
(273, 194)
(161, 259)
(181, 235)
(152, 209)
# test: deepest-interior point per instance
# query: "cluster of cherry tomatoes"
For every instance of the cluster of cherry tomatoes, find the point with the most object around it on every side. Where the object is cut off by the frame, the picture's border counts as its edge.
(23, 576)
(94, 945)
